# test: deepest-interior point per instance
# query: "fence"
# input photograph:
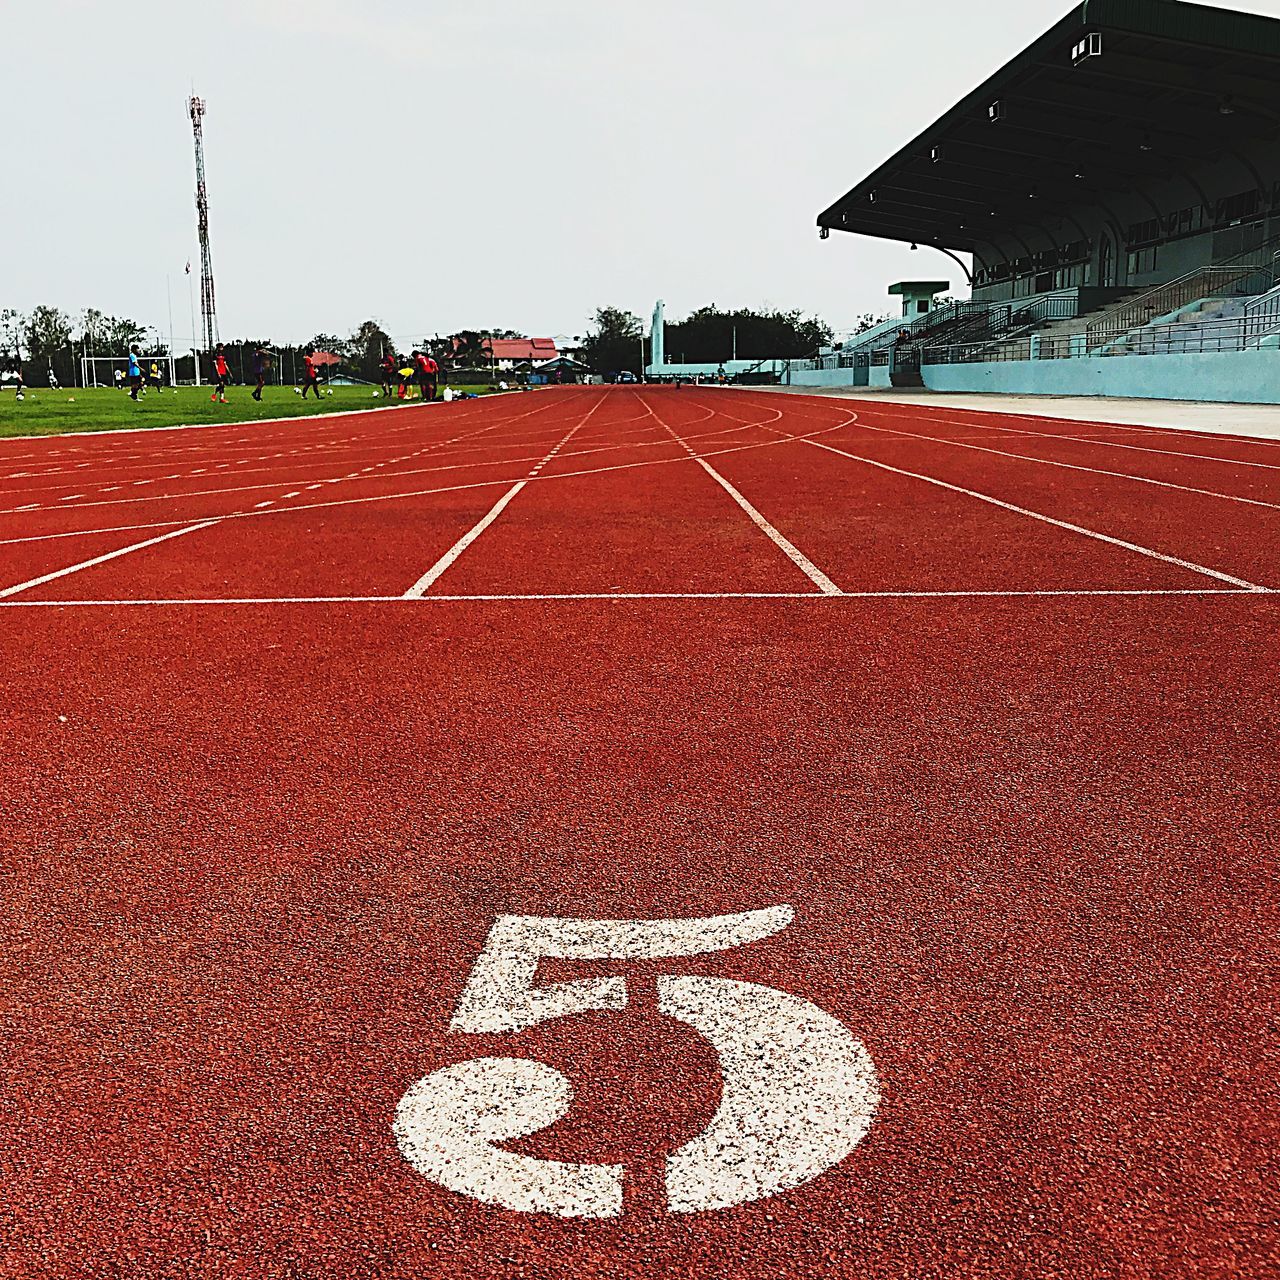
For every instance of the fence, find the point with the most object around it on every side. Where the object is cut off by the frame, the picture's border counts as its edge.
(1251, 272)
(1239, 333)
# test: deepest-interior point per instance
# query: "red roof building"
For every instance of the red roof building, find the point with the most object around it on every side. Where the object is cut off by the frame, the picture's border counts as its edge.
(506, 353)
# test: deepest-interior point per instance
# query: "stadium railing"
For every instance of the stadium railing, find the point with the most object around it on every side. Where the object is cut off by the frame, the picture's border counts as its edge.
(1239, 333)
(1251, 272)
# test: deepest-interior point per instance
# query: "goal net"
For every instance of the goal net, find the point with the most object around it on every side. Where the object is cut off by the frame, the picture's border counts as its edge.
(113, 371)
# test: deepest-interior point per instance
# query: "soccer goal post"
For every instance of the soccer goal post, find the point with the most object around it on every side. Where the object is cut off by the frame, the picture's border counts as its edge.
(102, 371)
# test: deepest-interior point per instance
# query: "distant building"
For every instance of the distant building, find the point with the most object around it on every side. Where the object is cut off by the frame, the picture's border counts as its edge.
(506, 353)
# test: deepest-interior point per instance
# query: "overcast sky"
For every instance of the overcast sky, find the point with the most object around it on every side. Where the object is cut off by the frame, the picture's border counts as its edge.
(440, 166)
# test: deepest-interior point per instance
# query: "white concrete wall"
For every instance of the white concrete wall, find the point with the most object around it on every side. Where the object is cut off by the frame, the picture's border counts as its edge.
(1228, 377)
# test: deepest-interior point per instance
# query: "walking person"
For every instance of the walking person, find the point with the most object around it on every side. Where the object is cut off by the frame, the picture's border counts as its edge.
(135, 371)
(220, 375)
(310, 375)
(261, 363)
(388, 367)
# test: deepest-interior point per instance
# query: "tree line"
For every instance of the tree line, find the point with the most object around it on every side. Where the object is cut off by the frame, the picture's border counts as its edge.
(49, 338)
(617, 340)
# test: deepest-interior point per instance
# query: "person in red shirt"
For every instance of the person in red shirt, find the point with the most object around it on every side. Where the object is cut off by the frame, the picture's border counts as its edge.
(428, 373)
(388, 367)
(310, 376)
(220, 375)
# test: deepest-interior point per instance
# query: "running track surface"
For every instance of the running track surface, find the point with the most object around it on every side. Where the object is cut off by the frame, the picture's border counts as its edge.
(990, 701)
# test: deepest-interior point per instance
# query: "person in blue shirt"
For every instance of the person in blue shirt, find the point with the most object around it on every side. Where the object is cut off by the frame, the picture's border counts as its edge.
(135, 372)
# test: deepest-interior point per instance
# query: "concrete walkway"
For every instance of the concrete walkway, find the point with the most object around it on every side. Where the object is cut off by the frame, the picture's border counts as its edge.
(1262, 420)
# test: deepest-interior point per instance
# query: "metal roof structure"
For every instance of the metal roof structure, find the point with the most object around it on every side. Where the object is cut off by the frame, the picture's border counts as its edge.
(1117, 93)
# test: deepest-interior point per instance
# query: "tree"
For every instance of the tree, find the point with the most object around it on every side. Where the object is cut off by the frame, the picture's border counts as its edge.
(613, 345)
(47, 330)
(106, 335)
(867, 322)
(12, 324)
(469, 348)
(366, 348)
(328, 342)
(710, 336)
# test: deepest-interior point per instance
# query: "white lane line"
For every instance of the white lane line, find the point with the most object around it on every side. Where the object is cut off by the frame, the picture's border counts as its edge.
(1169, 433)
(1069, 466)
(788, 548)
(1083, 594)
(111, 555)
(450, 557)
(1037, 515)
(420, 493)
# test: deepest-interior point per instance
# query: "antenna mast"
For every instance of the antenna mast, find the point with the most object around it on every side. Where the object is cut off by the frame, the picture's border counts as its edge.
(208, 308)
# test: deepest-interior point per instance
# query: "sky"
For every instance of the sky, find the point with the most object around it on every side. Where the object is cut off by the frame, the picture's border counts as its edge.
(445, 166)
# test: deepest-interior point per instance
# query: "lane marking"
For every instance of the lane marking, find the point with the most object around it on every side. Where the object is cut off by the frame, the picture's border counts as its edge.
(450, 557)
(1038, 515)
(798, 1091)
(111, 555)
(1035, 515)
(1170, 433)
(619, 596)
(1069, 466)
(785, 545)
(1105, 443)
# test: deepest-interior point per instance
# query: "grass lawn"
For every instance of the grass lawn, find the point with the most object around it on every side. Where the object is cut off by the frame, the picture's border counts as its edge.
(45, 412)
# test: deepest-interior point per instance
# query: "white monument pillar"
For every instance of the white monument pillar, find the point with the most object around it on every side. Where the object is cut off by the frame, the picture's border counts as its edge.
(658, 338)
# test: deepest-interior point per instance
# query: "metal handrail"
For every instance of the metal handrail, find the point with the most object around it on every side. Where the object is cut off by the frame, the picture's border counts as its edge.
(1203, 282)
(1239, 333)
(1262, 315)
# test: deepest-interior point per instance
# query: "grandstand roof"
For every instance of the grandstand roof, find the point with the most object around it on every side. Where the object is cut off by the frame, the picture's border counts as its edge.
(1160, 86)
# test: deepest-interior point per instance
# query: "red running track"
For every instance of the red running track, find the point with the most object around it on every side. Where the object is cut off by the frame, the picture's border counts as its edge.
(675, 656)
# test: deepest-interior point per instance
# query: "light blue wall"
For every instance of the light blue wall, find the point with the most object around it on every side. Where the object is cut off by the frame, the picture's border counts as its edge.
(730, 367)
(1229, 377)
(840, 377)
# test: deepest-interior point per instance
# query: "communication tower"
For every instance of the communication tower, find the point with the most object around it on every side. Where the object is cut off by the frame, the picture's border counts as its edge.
(208, 308)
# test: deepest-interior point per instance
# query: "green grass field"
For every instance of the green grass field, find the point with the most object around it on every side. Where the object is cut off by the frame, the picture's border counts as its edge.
(45, 412)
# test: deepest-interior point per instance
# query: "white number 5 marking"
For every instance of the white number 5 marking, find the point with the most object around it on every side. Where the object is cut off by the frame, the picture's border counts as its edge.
(799, 1091)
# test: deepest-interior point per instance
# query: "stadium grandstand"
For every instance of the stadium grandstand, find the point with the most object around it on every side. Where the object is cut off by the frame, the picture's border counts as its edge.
(1117, 188)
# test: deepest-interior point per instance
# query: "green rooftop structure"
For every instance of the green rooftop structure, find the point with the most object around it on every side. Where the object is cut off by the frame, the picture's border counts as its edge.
(919, 297)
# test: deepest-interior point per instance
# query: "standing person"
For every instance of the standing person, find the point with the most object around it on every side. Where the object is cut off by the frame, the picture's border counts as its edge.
(54, 384)
(19, 392)
(261, 363)
(428, 373)
(310, 375)
(135, 371)
(388, 367)
(220, 375)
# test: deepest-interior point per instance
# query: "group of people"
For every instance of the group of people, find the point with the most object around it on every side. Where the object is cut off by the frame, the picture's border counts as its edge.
(404, 373)
(139, 377)
(261, 371)
(421, 371)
